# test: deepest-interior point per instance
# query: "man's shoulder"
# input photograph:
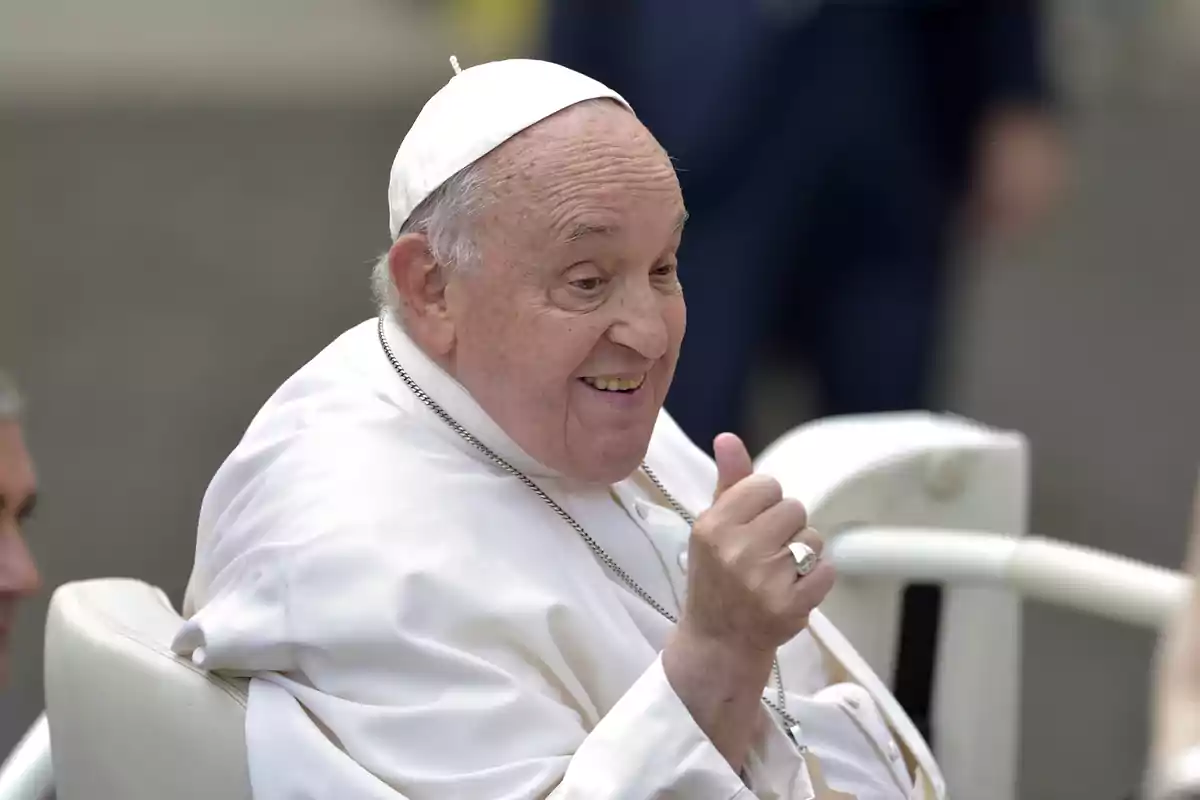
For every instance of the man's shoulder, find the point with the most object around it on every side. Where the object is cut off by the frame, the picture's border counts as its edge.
(396, 501)
(343, 407)
(348, 376)
(340, 434)
(358, 460)
(397, 510)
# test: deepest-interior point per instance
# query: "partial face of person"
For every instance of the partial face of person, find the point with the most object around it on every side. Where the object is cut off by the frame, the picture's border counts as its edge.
(18, 574)
(568, 331)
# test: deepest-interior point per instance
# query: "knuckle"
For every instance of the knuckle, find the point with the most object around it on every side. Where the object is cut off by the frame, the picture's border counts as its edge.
(767, 485)
(791, 513)
(705, 528)
(795, 510)
(740, 555)
(813, 539)
(756, 584)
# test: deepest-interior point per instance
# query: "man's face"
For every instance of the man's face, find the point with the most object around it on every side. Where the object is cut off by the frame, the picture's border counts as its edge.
(18, 574)
(568, 332)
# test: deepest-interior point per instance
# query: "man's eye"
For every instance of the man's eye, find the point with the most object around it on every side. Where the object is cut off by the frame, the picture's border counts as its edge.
(25, 512)
(665, 270)
(588, 284)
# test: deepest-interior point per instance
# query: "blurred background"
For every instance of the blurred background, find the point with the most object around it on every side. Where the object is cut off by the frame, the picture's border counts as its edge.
(191, 196)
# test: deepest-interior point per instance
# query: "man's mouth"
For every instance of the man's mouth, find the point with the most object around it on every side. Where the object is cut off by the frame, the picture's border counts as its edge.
(615, 383)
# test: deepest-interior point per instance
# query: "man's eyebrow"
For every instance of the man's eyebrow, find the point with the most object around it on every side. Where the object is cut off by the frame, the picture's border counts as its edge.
(585, 229)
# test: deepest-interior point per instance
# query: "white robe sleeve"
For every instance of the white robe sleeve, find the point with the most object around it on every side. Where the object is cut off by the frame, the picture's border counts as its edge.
(420, 678)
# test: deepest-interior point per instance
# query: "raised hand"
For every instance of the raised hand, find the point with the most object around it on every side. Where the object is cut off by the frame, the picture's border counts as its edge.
(745, 599)
(743, 587)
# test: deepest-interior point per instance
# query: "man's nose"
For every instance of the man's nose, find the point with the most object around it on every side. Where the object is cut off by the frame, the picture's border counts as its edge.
(640, 324)
(18, 572)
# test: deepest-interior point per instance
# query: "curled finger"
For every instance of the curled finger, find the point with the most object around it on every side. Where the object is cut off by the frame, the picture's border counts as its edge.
(808, 592)
(812, 538)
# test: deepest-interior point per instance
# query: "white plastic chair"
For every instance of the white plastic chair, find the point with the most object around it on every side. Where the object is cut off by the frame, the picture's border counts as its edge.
(27, 773)
(900, 498)
(128, 718)
(924, 498)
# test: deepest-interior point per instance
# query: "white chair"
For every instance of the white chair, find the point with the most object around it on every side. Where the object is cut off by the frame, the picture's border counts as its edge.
(27, 773)
(917, 497)
(935, 471)
(900, 497)
(130, 720)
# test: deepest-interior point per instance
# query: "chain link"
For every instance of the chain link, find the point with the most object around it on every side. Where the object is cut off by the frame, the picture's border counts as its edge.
(779, 706)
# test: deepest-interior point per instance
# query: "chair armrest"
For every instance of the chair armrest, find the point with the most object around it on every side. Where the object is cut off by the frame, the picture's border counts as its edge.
(27, 773)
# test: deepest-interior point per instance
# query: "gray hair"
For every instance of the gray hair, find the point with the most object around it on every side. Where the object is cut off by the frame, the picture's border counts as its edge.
(445, 218)
(10, 398)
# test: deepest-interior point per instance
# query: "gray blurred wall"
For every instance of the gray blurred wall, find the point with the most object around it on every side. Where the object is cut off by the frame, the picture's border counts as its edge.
(168, 257)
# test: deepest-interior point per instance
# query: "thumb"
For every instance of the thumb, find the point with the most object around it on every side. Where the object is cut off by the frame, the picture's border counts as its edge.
(733, 462)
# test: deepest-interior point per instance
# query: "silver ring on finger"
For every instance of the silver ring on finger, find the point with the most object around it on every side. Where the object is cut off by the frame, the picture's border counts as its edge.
(806, 558)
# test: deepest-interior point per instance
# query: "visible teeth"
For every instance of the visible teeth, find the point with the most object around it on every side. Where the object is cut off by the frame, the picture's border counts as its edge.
(616, 384)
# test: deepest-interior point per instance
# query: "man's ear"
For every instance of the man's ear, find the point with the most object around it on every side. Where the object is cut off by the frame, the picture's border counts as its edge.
(420, 282)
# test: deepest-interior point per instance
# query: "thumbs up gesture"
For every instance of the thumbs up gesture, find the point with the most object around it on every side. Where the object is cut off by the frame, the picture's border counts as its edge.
(744, 589)
(745, 598)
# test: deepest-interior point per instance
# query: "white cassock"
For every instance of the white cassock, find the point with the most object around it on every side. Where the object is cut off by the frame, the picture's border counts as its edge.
(421, 625)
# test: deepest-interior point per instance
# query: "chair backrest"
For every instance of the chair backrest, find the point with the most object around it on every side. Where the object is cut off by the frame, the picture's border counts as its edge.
(128, 718)
(935, 471)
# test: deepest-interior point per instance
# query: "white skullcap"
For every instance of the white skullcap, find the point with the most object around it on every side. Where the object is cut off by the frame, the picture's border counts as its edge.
(477, 111)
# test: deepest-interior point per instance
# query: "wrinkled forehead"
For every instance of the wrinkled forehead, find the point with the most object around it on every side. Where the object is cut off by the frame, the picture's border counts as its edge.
(584, 165)
(583, 135)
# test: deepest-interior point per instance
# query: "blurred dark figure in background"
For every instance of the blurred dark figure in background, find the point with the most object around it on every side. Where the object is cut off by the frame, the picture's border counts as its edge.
(829, 152)
(18, 575)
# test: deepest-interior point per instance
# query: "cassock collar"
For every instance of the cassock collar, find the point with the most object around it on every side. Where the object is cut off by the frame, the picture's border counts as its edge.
(453, 397)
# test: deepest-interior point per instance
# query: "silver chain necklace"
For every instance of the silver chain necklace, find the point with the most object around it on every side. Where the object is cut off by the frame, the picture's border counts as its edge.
(779, 705)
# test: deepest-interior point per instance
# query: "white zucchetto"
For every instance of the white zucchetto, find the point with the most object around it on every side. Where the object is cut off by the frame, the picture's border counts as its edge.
(477, 111)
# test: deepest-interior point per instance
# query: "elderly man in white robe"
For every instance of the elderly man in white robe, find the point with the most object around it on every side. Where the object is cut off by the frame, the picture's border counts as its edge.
(463, 552)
